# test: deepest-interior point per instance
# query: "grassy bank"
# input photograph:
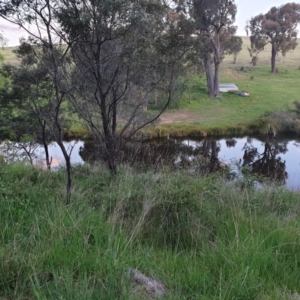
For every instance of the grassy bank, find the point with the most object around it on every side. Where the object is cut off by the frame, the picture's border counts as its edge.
(200, 115)
(202, 238)
(231, 114)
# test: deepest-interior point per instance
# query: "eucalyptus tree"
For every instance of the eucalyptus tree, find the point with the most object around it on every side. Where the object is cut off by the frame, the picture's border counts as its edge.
(125, 54)
(235, 47)
(213, 21)
(277, 27)
(38, 19)
(26, 100)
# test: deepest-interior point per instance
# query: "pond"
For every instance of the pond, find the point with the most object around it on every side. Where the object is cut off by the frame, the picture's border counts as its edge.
(276, 158)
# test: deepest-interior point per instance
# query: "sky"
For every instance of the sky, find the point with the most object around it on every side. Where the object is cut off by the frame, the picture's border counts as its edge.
(246, 10)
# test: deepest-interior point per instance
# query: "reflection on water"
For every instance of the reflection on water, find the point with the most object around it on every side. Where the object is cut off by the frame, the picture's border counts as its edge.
(276, 158)
(157, 153)
(267, 161)
(34, 153)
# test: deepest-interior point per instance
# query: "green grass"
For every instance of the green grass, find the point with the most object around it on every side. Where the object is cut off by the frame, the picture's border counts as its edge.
(267, 93)
(201, 238)
(232, 113)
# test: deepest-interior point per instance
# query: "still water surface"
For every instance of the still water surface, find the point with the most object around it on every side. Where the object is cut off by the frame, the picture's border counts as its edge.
(277, 158)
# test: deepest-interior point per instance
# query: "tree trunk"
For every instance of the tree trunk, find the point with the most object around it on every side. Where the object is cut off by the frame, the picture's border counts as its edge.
(235, 57)
(48, 159)
(67, 158)
(216, 91)
(69, 179)
(109, 154)
(45, 144)
(112, 165)
(273, 59)
(209, 75)
(217, 61)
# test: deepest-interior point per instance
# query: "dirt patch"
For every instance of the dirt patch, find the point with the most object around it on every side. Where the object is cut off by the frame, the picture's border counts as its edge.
(177, 116)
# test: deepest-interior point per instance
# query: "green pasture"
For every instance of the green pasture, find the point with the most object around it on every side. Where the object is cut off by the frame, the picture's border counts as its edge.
(233, 113)
(268, 92)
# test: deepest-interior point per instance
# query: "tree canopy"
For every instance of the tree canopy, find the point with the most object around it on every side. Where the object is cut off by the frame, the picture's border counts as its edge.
(213, 21)
(124, 55)
(277, 27)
